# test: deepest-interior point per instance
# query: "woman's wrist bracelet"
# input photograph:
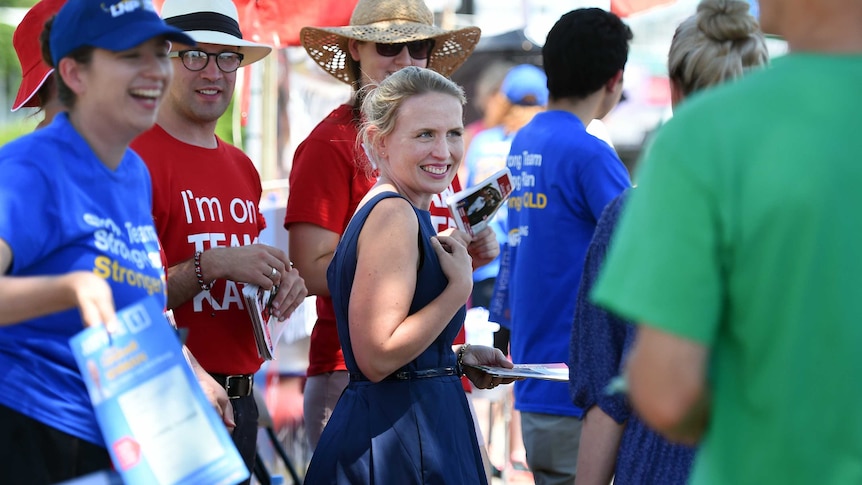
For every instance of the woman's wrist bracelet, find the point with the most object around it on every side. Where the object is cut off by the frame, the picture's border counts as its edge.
(459, 364)
(199, 273)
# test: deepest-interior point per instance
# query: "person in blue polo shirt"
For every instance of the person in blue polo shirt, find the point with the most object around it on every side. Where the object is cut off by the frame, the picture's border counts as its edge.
(563, 178)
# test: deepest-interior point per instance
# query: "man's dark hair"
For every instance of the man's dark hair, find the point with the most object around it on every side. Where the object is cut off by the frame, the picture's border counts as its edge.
(584, 49)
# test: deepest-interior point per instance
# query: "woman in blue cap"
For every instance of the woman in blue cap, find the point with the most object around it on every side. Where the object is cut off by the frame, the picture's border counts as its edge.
(76, 232)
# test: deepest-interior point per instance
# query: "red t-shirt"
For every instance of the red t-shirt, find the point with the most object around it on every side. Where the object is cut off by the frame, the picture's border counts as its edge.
(327, 182)
(204, 198)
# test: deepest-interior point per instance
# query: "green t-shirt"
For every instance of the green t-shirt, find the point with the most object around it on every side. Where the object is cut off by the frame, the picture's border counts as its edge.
(745, 235)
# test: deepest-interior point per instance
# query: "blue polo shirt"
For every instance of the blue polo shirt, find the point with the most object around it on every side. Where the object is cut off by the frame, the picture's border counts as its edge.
(563, 177)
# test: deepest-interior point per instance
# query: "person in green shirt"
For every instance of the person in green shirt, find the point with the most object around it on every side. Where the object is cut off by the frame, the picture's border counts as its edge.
(738, 255)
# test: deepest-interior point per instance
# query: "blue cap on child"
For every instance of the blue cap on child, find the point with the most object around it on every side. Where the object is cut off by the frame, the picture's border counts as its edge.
(116, 26)
(526, 85)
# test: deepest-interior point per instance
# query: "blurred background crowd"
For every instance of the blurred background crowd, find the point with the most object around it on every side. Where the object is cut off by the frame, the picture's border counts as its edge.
(280, 100)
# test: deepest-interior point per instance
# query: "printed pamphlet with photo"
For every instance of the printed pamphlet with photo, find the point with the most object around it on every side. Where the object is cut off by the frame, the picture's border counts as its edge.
(267, 330)
(473, 207)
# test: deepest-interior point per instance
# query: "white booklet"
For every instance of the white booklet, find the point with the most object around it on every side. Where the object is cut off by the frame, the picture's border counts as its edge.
(552, 372)
(157, 423)
(473, 207)
(267, 330)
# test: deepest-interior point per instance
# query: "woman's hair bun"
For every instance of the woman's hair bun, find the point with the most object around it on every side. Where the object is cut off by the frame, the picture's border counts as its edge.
(725, 20)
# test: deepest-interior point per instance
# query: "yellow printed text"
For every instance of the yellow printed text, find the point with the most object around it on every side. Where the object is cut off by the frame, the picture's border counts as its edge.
(109, 269)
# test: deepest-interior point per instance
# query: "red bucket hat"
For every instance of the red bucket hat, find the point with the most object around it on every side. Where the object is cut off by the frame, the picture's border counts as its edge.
(34, 71)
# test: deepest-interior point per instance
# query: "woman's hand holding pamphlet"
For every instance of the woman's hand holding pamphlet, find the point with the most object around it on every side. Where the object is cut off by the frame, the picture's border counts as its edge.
(552, 372)
(473, 207)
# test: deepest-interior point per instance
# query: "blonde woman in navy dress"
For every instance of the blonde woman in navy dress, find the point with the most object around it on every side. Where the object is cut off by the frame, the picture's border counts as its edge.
(399, 292)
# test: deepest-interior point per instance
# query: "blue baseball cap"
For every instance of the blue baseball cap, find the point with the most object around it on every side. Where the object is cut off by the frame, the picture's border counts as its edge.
(115, 26)
(526, 85)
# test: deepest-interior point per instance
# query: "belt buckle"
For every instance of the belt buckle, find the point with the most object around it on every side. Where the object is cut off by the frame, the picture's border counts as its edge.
(239, 391)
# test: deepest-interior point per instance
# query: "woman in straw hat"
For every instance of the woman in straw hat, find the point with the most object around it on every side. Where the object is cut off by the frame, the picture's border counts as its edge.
(329, 176)
(70, 254)
(404, 418)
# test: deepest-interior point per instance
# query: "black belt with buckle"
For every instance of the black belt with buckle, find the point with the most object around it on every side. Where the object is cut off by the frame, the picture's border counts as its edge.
(237, 385)
(409, 375)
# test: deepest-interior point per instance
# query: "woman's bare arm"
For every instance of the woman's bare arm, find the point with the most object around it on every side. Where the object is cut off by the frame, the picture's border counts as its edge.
(311, 249)
(384, 337)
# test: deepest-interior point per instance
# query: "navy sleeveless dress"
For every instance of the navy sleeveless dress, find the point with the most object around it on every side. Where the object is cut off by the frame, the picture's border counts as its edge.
(397, 431)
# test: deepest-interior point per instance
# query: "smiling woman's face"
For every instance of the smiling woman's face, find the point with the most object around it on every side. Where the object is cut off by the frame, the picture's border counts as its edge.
(125, 88)
(424, 150)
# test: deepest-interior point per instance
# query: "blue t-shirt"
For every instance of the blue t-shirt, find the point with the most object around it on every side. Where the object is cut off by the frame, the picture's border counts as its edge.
(486, 156)
(63, 210)
(563, 178)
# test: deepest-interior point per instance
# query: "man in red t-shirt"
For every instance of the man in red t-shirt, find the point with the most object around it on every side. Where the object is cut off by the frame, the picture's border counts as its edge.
(206, 196)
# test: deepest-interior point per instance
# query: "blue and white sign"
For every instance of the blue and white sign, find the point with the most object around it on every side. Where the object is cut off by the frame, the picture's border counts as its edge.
(157, 423)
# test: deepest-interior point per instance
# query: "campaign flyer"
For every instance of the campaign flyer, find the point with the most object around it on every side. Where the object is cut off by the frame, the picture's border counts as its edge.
(473, 208)
(157, 423)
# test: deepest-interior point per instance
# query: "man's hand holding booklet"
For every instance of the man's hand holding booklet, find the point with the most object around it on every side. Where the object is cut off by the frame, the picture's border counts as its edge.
(474, 206)
(267, 330)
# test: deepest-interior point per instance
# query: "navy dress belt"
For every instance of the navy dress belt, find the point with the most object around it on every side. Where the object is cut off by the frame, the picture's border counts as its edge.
(408, 375)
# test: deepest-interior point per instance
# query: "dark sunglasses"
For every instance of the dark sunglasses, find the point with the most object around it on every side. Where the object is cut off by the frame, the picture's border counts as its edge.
(418, 49)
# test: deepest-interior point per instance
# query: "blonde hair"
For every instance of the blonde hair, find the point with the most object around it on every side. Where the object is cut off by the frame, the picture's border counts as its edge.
(716, 44)
(381, 103)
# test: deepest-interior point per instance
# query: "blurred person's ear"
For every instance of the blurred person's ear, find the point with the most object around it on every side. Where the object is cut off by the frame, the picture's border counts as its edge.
(615, 82)
(676, 93)
(72, 73)
(353, 48)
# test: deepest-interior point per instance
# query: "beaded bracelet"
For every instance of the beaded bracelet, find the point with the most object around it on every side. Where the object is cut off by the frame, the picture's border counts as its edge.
(200, 274)
(459, 364)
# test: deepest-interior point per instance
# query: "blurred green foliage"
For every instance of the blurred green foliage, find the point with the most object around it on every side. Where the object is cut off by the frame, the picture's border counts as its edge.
(8, 60)
(11, 131)
(10, 75)
(224, 128)
(17, 3)
(10, 70)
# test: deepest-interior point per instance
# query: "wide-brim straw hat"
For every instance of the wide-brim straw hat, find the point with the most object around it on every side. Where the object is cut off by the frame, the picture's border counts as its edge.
(212, 22)
(388, 22)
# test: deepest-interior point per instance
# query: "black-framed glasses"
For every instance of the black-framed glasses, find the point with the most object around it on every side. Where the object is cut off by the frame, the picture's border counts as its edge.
(418, 49)
(197, 60)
